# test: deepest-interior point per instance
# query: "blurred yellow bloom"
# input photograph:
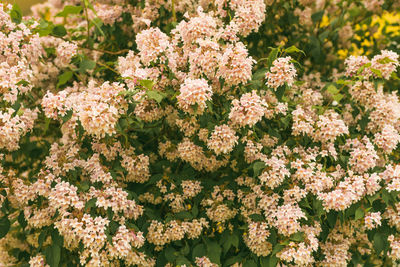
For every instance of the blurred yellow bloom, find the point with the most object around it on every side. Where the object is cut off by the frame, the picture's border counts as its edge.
(324, 21)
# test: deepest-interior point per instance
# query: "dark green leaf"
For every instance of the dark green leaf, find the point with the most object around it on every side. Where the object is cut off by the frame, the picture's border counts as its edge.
(199, 251)
(53, 254)
(317, 16)
(359, 214)
(270, 261)
(249, 263)
(170, 254)
(42, 237)
(67, 116)
(257, 217)
(257, 168)
(4, 226)
(59, 31)
(214, 251)
(21, 220)
(379, 242)
(280, 91)
(183, 215)
(90, 204)
(332, 218)
(57, 238)
(16, 14)
(272, 56)
(277, 248)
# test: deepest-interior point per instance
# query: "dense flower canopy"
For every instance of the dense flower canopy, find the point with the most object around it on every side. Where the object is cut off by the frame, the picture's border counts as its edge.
(200, 133)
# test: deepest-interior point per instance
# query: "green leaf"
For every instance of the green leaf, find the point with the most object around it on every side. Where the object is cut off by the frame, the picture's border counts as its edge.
(69, 10)
(293, 49)
(257, 168)
(299, 236)
(359, 214)
(148, 84)
(317, 16)
(394, 76)
(257, 217)
(277, 248)
(90, 204)
(157, 96)
(234, 259)
(214, 251)
(53, 254)
(67, 116)
(182, 261)
(227, 242)
(16, 14)
(386, 197)
(199, 251)
(4, 226)
(377, 72)
(183, 215)
(280, 91)
(195, 210)
(86, 64)
(186, 249)
(259, 74)
(264, 262)
(57, 238)
(83, 186)
(385, 60)
(272, 56)
(249, 263)
(361, 69)
(343, 82)
(332, 218)
(372, 198)
(379, 242)
(21, 220)
(338, 97)
(270, 261)
(324, 35)
(113, 227)
(42, 237)
(235, 240)
(98, 23)
(332, 89)
(318, 207)
(64, 78)
(363, 122)
(44, 28)
(59, 31)
(170, 254)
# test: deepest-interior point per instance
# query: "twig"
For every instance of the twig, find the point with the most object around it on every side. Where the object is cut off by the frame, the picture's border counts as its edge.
(104, 65)
(107, 52)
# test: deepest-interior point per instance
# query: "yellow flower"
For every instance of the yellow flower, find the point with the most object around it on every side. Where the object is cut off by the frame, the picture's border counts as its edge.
(343, 53)
(324, 21)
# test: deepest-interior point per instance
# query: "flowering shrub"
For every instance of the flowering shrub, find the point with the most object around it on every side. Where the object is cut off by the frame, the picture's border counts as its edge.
(198, 133)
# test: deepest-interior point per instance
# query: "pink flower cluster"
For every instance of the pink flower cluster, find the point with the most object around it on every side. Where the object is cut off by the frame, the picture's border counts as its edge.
(248, 110)
(193, 95)
(222, 140)
(384, 65)
(282, 72)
